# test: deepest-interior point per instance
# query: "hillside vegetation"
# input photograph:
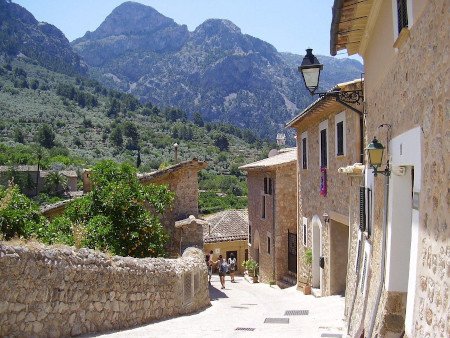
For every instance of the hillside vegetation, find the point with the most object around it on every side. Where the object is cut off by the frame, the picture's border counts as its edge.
(71, 122)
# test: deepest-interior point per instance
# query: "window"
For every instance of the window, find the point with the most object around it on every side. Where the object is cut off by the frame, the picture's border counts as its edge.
(305, 231)
(268, 245)
(304, 150)
(267, 186)
(340, 134)
(402, 15)
(263, 206)
(323, 140)
(365, 210)
(249, 233)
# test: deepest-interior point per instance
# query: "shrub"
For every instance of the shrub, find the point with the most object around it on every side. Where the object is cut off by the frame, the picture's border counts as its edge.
(116, 215)
(19, 216)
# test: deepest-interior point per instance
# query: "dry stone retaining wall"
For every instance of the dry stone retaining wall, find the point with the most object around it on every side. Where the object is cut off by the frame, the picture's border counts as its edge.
(62, 291)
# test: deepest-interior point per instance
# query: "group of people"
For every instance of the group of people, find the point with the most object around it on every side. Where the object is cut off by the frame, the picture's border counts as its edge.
(223, 267)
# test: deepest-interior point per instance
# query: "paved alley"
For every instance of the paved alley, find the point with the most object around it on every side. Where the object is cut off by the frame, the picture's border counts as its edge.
(252, 310)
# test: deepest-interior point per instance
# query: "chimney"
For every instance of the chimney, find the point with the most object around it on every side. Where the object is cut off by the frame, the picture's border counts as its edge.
(281, 139)
(175, 148)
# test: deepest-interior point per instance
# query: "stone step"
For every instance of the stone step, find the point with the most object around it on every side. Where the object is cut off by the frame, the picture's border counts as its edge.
(289, 280)
(283, 285)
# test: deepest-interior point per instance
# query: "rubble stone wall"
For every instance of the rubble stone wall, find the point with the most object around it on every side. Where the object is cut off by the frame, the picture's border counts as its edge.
(415, 92)
(62, 291)
(341, 188)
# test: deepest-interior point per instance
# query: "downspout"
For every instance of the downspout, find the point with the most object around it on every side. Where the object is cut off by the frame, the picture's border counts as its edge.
(383, 256)
(273, 225)
(358, 279)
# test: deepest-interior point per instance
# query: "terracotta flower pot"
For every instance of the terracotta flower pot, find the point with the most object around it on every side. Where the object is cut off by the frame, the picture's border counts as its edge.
(307, 290)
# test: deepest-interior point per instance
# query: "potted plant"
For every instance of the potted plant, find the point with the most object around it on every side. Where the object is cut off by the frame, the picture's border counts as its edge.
(252, 267)
(307, 258)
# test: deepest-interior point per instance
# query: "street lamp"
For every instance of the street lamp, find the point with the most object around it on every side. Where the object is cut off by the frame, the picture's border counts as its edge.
(310, 70)
(375, 154)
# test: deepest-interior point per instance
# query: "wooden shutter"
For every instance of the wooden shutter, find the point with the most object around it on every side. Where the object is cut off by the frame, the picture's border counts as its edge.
(362, 208)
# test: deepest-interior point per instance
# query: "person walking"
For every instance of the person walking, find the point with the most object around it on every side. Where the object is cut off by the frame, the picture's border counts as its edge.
(232, 266)
(223, 269)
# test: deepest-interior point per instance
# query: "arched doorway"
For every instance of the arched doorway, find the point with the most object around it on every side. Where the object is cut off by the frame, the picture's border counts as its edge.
(316, 252)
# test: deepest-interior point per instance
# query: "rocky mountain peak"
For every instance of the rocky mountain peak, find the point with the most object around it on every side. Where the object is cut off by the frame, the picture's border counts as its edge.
(23, 34)
(131, 18)
(220, 27)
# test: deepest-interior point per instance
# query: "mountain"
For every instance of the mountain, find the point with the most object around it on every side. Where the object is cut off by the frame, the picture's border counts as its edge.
(216, 70)
(22, 35)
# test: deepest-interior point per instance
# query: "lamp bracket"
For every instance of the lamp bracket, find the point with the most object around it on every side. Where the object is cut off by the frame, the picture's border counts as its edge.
(346, 97)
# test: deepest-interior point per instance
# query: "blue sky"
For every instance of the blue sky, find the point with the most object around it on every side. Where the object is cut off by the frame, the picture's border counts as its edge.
(289, 25)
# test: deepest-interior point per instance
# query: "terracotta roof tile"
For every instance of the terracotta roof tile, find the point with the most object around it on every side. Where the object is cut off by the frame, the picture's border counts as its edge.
(282, 158)
(228, 225)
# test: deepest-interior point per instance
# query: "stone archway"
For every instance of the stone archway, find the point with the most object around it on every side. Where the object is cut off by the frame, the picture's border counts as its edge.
(317, 278)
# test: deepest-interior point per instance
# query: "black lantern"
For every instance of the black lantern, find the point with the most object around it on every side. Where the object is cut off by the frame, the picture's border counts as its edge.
(375, 153)
(310, 69)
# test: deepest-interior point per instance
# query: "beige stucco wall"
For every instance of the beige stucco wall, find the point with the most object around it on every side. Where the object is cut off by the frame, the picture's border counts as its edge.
(221, 248)
(339, 186)
(61, 291)
(413, 91)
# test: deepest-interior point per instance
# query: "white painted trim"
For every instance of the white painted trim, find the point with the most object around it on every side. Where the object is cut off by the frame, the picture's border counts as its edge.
(406, 150)
(340, 118)
(324, 125)
(365, 266)
(317, 251)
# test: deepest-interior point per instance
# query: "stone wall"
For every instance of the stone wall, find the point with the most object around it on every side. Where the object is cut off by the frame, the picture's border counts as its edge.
(260, 227)
(286, 215)
(61, 291)
(414, 92)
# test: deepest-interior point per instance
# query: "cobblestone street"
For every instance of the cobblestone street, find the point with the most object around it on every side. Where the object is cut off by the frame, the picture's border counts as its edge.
(243, 309)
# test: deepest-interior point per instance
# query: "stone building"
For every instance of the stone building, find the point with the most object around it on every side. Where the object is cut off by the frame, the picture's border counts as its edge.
(33, 180)
(398, 276)
(182, 179)
(329, 137)
(272, 213)
(226, 232)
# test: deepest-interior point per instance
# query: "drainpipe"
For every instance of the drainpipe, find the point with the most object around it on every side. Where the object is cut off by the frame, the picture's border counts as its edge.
(273, 227)
(358, 279)
(383, 256)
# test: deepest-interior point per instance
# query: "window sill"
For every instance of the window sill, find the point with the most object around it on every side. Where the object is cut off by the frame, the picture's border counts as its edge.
(402, 38)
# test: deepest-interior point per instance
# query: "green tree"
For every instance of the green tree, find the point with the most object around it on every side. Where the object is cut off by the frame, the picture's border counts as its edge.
(55, 183)
(116, 136)
(19, 137)
(113, 108)
(46, 136)
(116, 215)
(198, 119)
(19, 216)
(221, 142)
